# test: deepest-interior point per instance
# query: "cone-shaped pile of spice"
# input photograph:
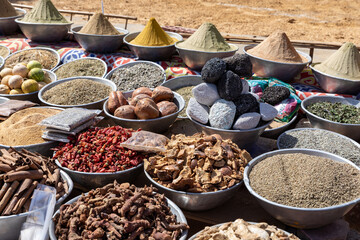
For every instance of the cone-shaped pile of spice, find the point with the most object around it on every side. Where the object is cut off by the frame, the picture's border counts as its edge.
(277, 47)
(98, 24)
(344, 63)
(153, 35)
(206, 38)
(44, 11)
(6, 9)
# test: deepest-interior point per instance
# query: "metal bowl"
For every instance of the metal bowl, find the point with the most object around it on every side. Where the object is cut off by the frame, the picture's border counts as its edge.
(218, 225)
(131, 64)
(349, 130)
(3, 100)
(173, 208)
(55, 53)
(283, 71)
(32, 97)
(294, 216)
(8, 25)
(93, 105)
(2, 62)
(158, 125)
(334, 84)
(94, 58)
(44, 32)
(10, 226)
(94, 180)
(196, 201)
(99, 43)
(152, 53)
(183, 81)
(196, 59)
(42, 148)
(275, 132)
(243, 138)
(8, 53)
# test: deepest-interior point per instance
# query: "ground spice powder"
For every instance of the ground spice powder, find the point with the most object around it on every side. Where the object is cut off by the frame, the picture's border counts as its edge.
(305, 181)
(98, 24)
(6, 9)
(22, 127)
(84, 67)
(344, 63)
(277, 47)
(153, 35)
(206, 38)
(44, 11)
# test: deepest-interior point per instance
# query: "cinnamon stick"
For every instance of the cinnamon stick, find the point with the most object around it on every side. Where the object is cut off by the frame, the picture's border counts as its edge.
(5, 168)
(3, 189)
(56, 176)
(8, 195)
(24, 198)
(23, 188)
(21, 175)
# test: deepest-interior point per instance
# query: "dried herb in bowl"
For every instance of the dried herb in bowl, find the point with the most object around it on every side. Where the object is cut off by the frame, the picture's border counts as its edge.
(47, 58)
(82, 67)
(336, 112)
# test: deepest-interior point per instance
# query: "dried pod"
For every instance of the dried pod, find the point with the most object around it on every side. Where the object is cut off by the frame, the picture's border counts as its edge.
(125, 111)
(162, 94)
(141, 90)
(167, 108)
(146, 109)
(134, 100)
(116, 99)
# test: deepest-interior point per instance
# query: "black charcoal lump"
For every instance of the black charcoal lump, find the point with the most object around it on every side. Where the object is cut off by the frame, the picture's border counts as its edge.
(276, 94)
(213, 70)
(230, 86)
(246, 103)
(239, 64)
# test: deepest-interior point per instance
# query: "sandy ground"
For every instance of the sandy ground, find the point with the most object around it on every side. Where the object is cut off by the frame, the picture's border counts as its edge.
(311, 20)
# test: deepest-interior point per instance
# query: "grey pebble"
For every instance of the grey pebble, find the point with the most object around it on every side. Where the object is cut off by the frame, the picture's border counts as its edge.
(206, 93)
(267, 112)
(255, 95)
(247, 121)
(245, 86)
(222, 114)
(198, 111)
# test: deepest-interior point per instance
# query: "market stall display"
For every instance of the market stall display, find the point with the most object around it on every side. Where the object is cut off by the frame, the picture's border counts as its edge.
(99, 35)
(7, 16)
(323, 184)
(350, 130)
(138, 212)
(206, 43)
(152, 43)
(44, 23)
(88, 66)
(4, 52)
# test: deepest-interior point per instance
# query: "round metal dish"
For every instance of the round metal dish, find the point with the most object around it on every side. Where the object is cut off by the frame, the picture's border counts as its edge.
(243, 138)
(44, 32)
(10, 226)
(131, 64)
(218, 225)
(196, 59)
(55, 53)
(8, 25)
(158, 125)
(334, 84)
(349, 130)
(8, 52)
(2, 62)
(93, 105)
(32, 97)
(99, 43)
(173, 208)
(94, 180)
(294, 216)
(3, 100)
(94, 58)
(196, 201)
(42, 148)
(152, 53)
(283, 71)
(275, 132)
(183, 81)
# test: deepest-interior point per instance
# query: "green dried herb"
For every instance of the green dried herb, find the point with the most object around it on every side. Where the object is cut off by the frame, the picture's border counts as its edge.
(82, 67)
(337, 112)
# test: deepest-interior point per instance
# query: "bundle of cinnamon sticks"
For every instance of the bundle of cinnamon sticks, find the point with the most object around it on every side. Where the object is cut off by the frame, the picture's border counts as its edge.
(20, 173)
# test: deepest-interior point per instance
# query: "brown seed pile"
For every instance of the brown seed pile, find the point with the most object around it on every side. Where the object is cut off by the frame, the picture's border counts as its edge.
(77, 92)
(305, 181)
(83, 67)
(3, 51)
(47, 59)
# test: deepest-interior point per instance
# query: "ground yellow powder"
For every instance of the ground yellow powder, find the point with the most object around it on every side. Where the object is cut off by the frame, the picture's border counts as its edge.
(153, 35)
(344, 63)
(98, 24)
(6, 9)
(206, 38)
(22, 127)
(44, 11)
(277, 47)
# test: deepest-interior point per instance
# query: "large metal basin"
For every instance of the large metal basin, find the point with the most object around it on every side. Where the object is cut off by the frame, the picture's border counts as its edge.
(8, 26)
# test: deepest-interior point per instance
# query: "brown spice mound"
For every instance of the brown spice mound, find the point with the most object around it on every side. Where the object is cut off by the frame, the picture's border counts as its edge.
(4, 52)
(277, 47)
(6, 9)
(22, 129)
(99, 25)
(305, 181)
(47, 59)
